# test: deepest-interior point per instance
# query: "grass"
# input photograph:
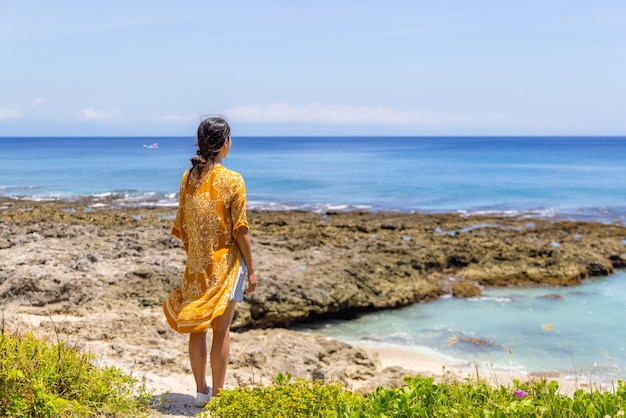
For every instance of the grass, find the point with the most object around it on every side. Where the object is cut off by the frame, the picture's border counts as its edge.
(42, 379)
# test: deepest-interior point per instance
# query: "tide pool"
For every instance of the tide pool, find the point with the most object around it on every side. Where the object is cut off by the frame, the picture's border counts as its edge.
(505, 328)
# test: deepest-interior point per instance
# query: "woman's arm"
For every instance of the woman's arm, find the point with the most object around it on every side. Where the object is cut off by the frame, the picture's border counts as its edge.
(245, 246)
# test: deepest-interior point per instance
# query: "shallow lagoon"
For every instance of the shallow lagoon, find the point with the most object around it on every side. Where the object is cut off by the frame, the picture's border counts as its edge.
(588, 334)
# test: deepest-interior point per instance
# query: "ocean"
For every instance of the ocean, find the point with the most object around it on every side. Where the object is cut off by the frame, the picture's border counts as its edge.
(581, 178)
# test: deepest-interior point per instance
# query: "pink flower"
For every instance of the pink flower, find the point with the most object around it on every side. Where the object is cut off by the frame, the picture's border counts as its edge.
(519, 394)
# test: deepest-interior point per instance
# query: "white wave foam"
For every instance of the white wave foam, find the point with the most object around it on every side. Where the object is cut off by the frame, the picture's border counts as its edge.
(501, 299)
(310, 207)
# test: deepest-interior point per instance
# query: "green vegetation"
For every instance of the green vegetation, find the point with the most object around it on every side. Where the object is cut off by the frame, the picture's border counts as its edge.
(38, 379)
(419, 397)
(286, 399)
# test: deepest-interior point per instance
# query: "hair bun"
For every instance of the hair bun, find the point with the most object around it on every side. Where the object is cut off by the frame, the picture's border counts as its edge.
(198, 161)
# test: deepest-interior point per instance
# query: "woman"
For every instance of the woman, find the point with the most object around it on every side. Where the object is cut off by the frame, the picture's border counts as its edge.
(212, 224)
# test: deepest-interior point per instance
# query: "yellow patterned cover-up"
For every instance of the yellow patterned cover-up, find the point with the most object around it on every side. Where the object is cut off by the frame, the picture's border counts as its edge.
(212, 207)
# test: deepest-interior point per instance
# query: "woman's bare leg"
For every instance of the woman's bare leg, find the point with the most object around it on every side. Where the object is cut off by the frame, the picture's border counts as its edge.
(197, 358)
(220, 346)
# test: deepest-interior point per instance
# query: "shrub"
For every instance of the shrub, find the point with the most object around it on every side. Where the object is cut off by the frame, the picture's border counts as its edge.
(38, 379)
(287, 399)
(418, 397)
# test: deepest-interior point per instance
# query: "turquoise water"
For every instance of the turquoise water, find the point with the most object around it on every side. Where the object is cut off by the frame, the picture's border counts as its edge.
(588, 334)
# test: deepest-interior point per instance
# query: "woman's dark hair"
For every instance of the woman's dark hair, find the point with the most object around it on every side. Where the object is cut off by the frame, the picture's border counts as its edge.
(212, 134)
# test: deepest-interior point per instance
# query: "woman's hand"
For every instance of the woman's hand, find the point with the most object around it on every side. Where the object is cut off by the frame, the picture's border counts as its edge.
(251, 282)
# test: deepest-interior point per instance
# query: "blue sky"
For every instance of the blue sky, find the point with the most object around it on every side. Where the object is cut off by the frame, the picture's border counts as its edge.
(532, 67)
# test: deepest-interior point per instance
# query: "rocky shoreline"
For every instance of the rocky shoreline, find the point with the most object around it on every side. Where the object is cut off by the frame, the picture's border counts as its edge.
(95, 273)
(343, 264)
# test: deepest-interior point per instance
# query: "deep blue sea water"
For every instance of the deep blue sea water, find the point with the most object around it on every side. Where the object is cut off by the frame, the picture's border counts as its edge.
(580, 177)
(548, 177)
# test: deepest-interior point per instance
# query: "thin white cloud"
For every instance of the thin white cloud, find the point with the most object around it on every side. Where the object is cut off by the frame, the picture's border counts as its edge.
(10, 113)
(179, 118)
(359, 115)
(93, 114)
(38, 102)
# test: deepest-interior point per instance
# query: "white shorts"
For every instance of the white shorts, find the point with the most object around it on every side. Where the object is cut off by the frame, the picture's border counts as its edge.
(237, 294)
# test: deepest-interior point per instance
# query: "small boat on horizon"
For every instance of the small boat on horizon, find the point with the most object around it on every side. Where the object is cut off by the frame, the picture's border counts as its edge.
(151, 146)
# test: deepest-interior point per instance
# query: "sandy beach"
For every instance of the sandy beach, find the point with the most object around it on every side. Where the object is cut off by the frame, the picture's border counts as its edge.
(443, 371)
(95, 275)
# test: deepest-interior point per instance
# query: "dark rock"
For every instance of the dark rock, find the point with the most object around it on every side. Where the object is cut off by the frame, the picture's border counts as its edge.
(465, 290)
